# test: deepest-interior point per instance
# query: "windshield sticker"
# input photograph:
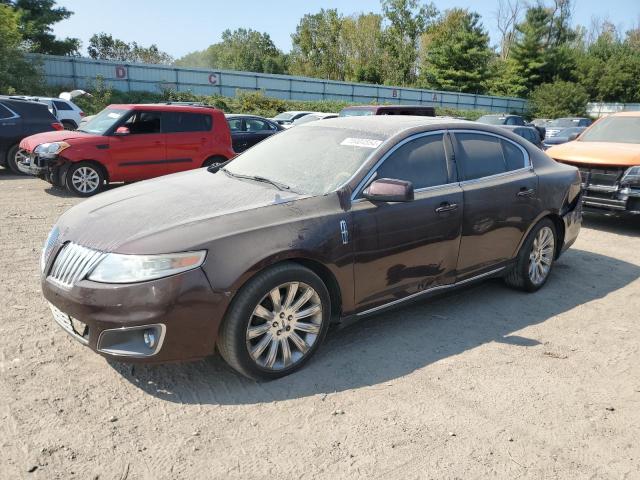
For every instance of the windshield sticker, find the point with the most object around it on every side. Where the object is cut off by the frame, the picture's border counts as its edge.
(361, 142)
(114, 115)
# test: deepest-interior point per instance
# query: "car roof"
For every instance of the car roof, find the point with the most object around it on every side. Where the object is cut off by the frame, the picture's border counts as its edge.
(244, 115)
(513, 127)
(387, 125)
(295, 112)
(160, 106)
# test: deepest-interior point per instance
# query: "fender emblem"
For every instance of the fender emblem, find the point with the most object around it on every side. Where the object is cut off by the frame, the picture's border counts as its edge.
(344, 232)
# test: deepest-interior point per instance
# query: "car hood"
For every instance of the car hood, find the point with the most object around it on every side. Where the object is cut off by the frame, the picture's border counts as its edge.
(597, 153)
(29, 143)
(173, 213)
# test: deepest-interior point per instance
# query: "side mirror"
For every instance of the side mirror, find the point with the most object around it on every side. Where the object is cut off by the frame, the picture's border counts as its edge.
(389, 190)
(122, 131)
(573, 136)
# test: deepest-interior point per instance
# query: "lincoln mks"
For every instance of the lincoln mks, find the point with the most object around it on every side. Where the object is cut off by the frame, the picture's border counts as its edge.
(325, 222)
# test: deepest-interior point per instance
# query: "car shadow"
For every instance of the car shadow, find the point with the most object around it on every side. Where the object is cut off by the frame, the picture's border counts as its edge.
(391, 345)
(628, 225)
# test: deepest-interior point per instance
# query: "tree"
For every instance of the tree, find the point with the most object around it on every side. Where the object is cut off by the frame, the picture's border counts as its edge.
(529, 52)
(507, 17)
(406, 20)
(103, 46)
(16, 74)
(558, 99)
(317, 46)
(363, 48)
(37, 18)
(240, 49)
(455, 53)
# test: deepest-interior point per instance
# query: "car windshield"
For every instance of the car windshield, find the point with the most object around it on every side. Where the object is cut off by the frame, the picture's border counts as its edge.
(492, 120)
(283, 116)
(356, 112)
(614, 130)
(568, 131)
(312, 159)
(564, 122)
(103, 121)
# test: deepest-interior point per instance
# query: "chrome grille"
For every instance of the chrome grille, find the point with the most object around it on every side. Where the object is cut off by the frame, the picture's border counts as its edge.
(73, 263)
(601, 176)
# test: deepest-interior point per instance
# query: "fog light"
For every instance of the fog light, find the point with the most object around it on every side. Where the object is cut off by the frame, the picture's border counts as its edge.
(150, 338)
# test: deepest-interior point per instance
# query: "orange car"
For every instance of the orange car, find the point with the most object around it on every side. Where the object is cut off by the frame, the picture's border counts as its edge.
(608, 157)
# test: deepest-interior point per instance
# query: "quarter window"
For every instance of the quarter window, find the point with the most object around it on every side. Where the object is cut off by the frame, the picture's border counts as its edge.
(422, 162)
(5, 112)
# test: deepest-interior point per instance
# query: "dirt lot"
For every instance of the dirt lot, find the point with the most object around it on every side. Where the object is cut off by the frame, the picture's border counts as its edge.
(485, 383)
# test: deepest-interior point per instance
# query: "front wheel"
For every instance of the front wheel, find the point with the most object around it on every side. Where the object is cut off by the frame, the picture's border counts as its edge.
(276, 322)
(84, 179)
(15, 157)
(535, 259)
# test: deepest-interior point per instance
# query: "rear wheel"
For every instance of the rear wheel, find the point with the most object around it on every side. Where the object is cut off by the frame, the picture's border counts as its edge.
(276, 322)
(84, 179)
(535, 259)
(15, 155)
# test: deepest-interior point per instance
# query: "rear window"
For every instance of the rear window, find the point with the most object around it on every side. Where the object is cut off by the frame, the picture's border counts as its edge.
(176, 122)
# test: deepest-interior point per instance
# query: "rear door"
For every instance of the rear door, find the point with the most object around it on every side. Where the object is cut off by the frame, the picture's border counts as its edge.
(142, 153)
(404, 248)
(189, 139)
(500, 199)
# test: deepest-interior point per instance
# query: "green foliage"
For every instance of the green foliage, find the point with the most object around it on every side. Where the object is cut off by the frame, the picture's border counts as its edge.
(103, 46)
(241, 49)
(558, 99)
(455, 53)
(37, 18)
(16, 74)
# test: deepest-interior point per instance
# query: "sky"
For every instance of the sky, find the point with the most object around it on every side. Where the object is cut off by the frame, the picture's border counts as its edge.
(180, 27)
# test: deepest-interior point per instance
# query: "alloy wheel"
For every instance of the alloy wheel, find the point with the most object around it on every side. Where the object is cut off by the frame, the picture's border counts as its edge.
(21, 159)
(284, 326)
(541, 256)
(85, 179)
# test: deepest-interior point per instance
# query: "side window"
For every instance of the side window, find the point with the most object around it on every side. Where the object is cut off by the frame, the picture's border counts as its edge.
(509, 121)
(143, 123)
(513, 156)
(479, 155)
(176, 122)
(5, 112)
(235, 125)
(518, 121)
(422, 162)
(62, 105)
(254, 125)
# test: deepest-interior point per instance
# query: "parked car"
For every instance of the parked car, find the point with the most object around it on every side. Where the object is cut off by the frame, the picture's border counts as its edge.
(367, 110)
(502, 119)
(67, 112)
(556, 126)
(247, 130)
(312, 117)
(125, 143)
(528, 133)
(563, 136)
(334, 219)
(608, 156)
(540, 122)
(19, 119)
(286, 119)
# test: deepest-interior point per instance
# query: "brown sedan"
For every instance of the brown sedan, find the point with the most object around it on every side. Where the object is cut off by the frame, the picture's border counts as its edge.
(327, 221)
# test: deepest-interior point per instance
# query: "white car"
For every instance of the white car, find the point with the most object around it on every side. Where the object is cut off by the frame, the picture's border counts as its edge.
(312, 117)
(286, 119)
(67, 112)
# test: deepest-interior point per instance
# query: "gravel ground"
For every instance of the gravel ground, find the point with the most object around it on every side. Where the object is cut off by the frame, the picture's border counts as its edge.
(485, 383)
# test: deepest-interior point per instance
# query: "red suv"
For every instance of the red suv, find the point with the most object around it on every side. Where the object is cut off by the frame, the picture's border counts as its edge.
(125, 143)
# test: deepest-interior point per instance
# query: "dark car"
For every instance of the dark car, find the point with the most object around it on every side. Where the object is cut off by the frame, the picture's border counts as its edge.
(334, 219)
(564, 136)
(247, 130)
(368, 110)
(554, 127)
(528, 133)
(19, 119)
(502, 119)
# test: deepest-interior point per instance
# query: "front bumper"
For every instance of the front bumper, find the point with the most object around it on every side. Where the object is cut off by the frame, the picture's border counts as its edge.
(182, 312)
(612, 198)
(48, 169)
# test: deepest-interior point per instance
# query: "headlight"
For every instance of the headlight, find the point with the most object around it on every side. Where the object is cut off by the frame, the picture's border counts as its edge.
(117, 268)
(631, 177)
(50, 149)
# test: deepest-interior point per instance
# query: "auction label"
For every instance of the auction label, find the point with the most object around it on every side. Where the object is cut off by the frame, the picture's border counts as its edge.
(361, 142)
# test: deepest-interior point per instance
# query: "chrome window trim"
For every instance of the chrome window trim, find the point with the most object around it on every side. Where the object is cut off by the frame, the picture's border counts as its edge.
(429, 290)
(15, 115)
(372, 171)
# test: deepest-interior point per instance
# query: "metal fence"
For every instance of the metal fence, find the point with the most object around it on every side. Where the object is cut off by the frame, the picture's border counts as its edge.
(597, 110)
(82, 73)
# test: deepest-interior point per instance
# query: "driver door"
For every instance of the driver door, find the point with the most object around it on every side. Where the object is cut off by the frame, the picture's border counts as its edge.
(403, 248)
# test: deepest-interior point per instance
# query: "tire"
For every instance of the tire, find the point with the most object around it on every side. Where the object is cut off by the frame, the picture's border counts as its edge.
(535, 258)
(69, 124)
(261, 353)
(217, 160)
(84, 179)
(12, 161)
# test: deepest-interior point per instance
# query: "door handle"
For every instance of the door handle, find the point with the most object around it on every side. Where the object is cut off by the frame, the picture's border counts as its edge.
(526, 192)
(446, 207)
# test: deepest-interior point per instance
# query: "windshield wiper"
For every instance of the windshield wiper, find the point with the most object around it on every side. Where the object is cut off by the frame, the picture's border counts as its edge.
(257, 178)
